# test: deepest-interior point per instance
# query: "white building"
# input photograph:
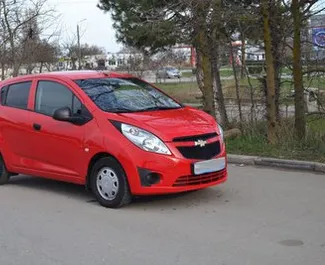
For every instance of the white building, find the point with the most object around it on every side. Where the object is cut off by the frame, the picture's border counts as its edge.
(255, 53)
(123, 58)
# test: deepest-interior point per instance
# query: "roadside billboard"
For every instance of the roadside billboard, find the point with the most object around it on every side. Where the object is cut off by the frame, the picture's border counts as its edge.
(318, 38)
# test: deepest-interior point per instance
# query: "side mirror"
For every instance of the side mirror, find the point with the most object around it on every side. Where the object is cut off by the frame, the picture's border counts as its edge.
(62, 114)
(65, 114)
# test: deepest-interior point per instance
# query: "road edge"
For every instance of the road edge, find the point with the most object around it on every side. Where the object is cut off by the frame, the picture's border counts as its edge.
(275, 162)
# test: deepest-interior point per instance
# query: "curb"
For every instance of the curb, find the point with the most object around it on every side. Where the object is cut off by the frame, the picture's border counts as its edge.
(274, 162)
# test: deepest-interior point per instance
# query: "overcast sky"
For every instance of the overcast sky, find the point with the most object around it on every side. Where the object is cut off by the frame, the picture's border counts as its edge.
(97, 29)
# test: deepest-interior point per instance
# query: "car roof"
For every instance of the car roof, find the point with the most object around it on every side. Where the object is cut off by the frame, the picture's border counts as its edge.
(73, 75)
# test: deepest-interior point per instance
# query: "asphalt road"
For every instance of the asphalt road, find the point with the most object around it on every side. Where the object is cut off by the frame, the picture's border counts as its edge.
(259, 217)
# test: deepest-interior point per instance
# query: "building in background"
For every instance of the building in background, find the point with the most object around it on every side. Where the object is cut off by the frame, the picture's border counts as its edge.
(183, 55)
(124, 58)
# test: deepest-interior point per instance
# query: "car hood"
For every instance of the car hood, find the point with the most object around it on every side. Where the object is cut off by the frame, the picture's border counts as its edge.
(169, 124)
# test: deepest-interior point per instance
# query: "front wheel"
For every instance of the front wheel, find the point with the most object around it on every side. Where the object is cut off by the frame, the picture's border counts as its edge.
(109, 183)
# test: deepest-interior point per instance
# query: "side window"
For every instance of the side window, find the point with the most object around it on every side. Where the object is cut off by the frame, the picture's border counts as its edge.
(51, 96)
(17, 95)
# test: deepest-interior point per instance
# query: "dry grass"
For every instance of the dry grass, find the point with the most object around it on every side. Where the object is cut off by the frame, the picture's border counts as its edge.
(254, 141)
(189, 92)
(183, 92)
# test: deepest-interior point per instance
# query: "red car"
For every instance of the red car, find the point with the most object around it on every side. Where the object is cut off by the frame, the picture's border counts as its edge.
(114, 133)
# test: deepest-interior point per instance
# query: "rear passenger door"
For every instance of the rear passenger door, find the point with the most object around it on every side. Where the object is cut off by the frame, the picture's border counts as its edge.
(58, 146)
(15, 123)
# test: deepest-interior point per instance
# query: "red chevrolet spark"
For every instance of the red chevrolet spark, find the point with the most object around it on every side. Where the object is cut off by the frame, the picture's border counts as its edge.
(114, 133)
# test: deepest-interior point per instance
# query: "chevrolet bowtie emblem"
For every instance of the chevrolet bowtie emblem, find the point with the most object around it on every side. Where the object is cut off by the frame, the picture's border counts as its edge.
(200, 143)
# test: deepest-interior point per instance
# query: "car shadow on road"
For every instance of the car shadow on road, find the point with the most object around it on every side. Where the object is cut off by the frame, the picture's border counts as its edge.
(78, 192)
(48, 185)
(189, 199)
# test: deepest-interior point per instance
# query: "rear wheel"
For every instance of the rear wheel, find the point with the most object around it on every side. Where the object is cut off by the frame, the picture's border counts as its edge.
(4, 174)
(109, 183)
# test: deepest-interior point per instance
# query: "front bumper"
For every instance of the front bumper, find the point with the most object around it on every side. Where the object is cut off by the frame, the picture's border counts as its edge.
(175, 173)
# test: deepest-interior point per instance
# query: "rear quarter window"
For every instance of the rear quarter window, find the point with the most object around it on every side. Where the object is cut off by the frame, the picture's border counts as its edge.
(16, 95)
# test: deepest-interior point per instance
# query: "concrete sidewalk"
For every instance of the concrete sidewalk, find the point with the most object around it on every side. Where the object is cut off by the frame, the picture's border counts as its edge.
(274, 162)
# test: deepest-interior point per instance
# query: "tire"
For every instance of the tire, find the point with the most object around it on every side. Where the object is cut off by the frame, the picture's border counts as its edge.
(4, 174)
(109, 183)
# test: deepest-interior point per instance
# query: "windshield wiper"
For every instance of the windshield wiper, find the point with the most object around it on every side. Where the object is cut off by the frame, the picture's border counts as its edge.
(159, 108)
(119, 110)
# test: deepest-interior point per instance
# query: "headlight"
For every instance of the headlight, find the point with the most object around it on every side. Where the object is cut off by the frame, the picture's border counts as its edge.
(221, 132)
(145, 140)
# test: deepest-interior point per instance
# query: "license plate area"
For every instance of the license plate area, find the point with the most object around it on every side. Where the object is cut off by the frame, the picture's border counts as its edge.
(209, 166)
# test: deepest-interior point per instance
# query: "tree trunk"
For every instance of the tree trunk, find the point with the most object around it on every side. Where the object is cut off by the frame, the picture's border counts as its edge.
(41, 68)
(300, 121)
(29, 68)
(209, 105)
(47, 66)
(236, 83)
(277, 81)
(13, 58)
(15, 65)
(220, 100)
(199, 71)
(15, 70)
(270, 82)
(277, 41)
(202, 45)
(217, 85)
(208, 95)
(251, 95)
(74, 65)
(3, 71)
(201, 79)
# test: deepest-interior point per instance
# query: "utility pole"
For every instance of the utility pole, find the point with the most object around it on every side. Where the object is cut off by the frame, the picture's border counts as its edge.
(79, 49)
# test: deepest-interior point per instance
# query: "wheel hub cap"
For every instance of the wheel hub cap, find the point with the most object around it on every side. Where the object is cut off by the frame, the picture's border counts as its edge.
(107, 183)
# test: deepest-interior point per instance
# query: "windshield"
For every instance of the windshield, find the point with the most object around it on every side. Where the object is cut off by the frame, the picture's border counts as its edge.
(125, 95)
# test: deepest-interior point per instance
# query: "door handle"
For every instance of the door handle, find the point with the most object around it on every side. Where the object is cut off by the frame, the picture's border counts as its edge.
(37, 127)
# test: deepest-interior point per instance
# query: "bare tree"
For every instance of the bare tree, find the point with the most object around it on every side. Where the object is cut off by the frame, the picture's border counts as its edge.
(47, 54)
(71, 50)
(17, 20)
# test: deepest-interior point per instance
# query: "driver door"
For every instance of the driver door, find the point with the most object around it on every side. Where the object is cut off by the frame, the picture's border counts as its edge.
(59, 151)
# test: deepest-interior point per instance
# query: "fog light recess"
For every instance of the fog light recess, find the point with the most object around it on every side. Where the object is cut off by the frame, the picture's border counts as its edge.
(148, 178)
(153, 178)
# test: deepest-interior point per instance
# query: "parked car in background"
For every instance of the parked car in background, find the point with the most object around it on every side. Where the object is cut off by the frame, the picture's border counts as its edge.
(169, 73)
(113, 133)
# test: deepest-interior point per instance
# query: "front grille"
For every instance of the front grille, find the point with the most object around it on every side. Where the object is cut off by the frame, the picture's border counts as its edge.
(200, 179)
(195, 137)
(201, 153)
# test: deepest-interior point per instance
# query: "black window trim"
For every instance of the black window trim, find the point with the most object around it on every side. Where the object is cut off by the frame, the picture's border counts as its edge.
(6, 88)
(90, 117)
(4, 92)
